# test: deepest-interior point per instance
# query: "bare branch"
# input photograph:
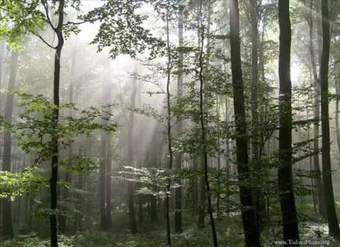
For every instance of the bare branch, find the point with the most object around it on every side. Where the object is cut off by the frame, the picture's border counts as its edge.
(82, 22)
(45, 42)
(49, 21)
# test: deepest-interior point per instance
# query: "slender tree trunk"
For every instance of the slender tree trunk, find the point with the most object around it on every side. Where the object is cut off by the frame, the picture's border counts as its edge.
(286, 193)
(316, 85)
(337, 108)
(102, 183)
(203, 118)
(130, 155)
(169, 128)
(326, 156)
(201, 188)
(65, 193)
(108, 182)
(2, 55)
(54, 141)
(255, 141)
(105, 186)
(194, 186)
(178, 157)
(218, 184)
(227, 158)
(251, 231)
(7, 223)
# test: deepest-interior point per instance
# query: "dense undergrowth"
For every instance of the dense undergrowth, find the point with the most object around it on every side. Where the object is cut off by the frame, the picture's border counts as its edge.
(230, 234)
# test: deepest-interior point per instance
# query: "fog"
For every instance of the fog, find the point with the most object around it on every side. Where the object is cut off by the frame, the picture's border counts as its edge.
(169, 123)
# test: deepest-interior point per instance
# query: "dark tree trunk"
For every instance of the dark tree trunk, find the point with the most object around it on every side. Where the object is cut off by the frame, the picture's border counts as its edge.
(7, 223)
(326, 156)
(65, 193)
(169, 127)
(251, 231)
(101, 186)
(199, 159)
(316, 84)
(105, 186)
(153, 209)
(108, 182)
(2, 55)
(54, 139)
(203, 118)
(255, 140)
(130, 159)
(178, 157)
(194, 186)
(286, 193)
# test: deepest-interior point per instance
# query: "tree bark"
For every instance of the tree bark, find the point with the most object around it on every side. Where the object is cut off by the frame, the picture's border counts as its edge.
(286, 193)
(316, 85)
(54, 136)
(326, 156)
(169, 127)
(203, 118)
(131, 196)
(255, 140)
(65, 193)
(251, 231)
(7, 222)
(178, 156)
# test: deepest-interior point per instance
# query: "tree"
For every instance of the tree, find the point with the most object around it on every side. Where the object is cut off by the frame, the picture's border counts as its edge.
(316, 85)
(169, 127)
(105, 173)
(203, 118)
(131, 196)
(333, 224)
(255, 139)
(251, 231)
(286, 193)
(7, 154)
(56, 101)
(178, 156)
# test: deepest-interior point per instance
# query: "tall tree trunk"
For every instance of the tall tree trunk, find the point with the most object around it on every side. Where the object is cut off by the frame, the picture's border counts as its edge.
(337, 108)
(2, 56)
(169, 127)
(178, 157)
(65, 193)
(218, 182)
(203, 119)
(316, 84)
(54, 142)
(255, 140)
(326, 156)
(201, 188)
(251, 231)
(7, 223)
(227, 158)
(106, 171)
(102, 183)
(108, 182)
(130, 155)
(286, 193)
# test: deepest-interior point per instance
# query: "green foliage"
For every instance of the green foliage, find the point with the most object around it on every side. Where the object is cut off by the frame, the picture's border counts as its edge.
(19, 18)
(151, 181)
(121, 29)
(36, 125)
(16, 184)
(34, 130)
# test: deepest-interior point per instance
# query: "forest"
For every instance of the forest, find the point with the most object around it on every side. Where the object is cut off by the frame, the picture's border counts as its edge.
(175, 123)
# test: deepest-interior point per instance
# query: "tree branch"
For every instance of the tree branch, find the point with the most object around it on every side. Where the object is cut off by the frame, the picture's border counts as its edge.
(49, 21)
(45, 42)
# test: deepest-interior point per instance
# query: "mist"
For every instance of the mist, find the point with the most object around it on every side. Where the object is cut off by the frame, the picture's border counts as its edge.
(169, 123)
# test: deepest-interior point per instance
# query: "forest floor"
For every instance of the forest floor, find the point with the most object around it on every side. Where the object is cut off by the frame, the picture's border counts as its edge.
(229, 232)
